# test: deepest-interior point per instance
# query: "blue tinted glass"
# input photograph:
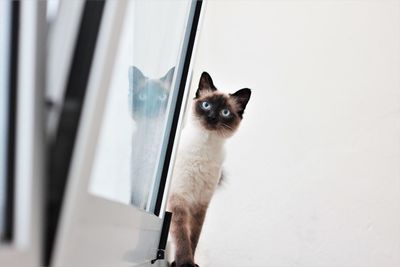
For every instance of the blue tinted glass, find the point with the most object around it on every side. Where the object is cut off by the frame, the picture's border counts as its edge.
(140, 103)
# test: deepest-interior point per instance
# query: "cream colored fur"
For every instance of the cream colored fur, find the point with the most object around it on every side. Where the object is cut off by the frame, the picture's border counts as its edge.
(199, 163)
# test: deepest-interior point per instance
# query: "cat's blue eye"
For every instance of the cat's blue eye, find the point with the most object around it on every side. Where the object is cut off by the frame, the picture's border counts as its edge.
(225, 112)
(163, 97)
(205, 105)
(142, 97)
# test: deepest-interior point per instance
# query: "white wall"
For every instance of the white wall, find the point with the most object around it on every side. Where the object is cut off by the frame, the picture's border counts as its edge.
(313, 173)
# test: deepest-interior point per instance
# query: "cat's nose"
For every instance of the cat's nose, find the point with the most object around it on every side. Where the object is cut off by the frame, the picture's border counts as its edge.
(212, 118)
(211, 115)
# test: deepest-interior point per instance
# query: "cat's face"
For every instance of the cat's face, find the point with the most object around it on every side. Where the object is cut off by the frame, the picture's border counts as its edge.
(217, 111)
(148, 97)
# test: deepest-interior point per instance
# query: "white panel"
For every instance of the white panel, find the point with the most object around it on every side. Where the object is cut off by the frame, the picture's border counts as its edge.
(94, 231)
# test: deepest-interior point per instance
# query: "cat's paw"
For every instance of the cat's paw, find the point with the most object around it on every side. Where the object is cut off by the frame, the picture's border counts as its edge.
(173, 264)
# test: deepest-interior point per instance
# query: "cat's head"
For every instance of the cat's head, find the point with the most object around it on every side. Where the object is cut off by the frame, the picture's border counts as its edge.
(148, 98)
(217, 111)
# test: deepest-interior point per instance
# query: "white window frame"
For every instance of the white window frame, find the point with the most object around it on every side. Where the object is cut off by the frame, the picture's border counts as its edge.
(94, 231)
(25, 247)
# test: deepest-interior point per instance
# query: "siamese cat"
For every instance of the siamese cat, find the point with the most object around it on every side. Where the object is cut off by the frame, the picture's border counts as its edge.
(148, 99)
(215, 117)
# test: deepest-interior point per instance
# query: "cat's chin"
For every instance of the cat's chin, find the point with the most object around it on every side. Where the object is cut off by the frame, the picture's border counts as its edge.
(225, 135)
(218, 131)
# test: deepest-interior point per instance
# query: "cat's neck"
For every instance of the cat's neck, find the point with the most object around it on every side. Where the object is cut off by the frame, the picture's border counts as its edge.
(195, 134)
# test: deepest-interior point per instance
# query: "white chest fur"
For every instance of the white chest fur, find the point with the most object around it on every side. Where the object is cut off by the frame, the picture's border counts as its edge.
(198, 165)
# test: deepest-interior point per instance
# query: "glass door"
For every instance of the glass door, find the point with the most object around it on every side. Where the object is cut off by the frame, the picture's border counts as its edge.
(140, 103)
(113, 207)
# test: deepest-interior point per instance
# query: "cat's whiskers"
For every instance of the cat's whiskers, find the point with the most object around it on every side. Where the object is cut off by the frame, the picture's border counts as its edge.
(227, 126)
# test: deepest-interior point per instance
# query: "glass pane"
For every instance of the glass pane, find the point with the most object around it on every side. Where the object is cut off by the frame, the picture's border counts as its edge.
(5, 12)
(52, 10)
(139, 102)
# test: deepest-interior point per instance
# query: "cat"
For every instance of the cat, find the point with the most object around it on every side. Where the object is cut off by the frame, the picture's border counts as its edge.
(215, 117)
(148, 99)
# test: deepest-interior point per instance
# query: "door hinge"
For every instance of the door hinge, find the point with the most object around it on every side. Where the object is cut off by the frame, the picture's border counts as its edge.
(163, 238)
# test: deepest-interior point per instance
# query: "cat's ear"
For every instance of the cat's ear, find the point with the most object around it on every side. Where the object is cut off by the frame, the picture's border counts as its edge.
(241, 97)
(205, 83)
(136, 77)
(167, 79)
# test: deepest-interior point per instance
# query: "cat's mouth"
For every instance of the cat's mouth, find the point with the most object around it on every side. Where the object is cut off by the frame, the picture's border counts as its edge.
(219, 128)
(211, 125)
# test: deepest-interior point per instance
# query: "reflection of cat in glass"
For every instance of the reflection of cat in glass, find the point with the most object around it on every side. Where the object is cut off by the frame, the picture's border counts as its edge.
(148, 100)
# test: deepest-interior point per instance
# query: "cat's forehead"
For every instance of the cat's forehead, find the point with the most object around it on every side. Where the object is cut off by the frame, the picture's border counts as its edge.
(213, 95)
(153, 84)
(216, 98)
(219, 98)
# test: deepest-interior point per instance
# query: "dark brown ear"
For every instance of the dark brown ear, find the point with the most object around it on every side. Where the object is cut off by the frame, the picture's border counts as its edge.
(205, 83)
(242, 97)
